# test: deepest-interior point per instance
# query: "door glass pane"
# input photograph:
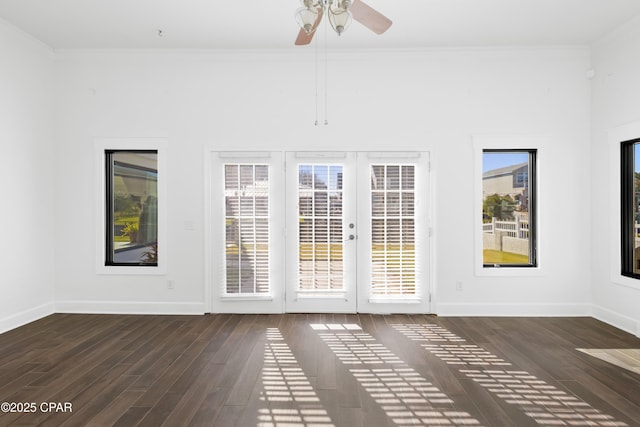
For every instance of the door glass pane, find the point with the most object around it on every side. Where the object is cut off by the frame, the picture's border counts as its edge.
(320, 225)
(393, 269)
(506, 185)
(246, 192)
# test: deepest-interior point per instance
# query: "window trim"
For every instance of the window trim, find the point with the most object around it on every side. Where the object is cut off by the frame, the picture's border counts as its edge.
(615, 136)
(102, 146)
(481, 143)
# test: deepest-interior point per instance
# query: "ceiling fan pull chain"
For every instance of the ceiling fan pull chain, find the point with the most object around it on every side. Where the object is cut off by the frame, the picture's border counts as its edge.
(326, 74)
(316, 43)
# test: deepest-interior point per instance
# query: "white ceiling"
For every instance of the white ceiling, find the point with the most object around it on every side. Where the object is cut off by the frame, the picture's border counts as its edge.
(270, 24)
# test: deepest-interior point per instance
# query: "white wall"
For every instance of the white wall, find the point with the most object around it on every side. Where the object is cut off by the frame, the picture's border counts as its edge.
(26, 179)
(428, 100)
(616, 111)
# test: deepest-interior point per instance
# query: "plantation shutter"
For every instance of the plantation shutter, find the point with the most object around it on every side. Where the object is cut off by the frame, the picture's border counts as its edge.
(320, 222)
(246, 223)
(393, 230)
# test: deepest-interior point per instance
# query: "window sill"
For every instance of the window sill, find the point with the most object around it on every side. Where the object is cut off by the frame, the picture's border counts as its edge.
(482, 271)
(133, 270)
(627, 282)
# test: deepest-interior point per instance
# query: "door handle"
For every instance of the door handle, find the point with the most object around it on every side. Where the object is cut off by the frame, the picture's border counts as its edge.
(352, 236)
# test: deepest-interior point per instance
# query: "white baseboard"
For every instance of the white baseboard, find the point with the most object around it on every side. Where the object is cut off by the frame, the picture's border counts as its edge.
(620, 321)
(612, 318)
(513, 310)
(129, 307)
(27, 316)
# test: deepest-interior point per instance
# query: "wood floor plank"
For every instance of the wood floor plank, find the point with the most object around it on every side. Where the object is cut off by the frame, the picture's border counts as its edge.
(230, 349)
(242, 388)
(231, 415)
(236, 349)
(347, 389)
(327, 370)
(110, 414)
(304, 342)
(132, 416)
(257, 410)
(192, 398)
(211, 407)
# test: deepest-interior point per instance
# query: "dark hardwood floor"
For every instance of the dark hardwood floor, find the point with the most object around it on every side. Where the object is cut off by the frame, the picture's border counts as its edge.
(314, 370)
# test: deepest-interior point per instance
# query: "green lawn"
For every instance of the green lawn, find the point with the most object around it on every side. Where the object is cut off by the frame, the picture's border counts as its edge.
(497, 257)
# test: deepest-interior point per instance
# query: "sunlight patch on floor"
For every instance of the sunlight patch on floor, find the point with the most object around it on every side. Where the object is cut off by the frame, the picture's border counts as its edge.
(545, 403)
(627, 358)
(288, 395)
(403, 394)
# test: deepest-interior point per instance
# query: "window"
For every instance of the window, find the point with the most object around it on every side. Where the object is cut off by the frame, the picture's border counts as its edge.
(630, 208)
(246, 224)
(509, 208)
(131, 208)
(521, 179)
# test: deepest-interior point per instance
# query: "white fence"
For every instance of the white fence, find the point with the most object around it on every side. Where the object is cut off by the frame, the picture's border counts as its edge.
(519, 228)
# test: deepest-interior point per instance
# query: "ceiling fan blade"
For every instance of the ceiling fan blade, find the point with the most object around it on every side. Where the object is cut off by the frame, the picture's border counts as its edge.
(369, 17)
(304, 38)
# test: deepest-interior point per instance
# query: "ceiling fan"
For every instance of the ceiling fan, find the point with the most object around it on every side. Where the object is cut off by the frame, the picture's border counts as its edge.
(340, 14)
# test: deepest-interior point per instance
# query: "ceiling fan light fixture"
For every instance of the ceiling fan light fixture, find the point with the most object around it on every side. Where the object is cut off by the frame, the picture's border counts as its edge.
(340, 13)
(306, 17)
(340, 18)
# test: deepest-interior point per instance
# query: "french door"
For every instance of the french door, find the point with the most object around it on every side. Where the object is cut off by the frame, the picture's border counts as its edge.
(321, 241)
(245, 232)
(320, 232)
(393, 243)
(357, 232)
